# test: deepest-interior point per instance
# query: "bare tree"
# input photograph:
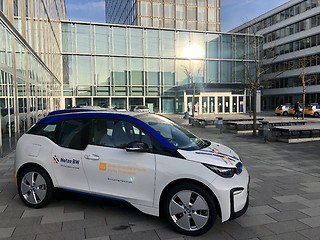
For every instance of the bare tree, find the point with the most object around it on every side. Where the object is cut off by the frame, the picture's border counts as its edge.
(253, 74)
(306, 79)
(189, 72)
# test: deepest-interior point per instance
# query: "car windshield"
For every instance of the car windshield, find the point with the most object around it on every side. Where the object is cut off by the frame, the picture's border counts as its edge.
(178, 136)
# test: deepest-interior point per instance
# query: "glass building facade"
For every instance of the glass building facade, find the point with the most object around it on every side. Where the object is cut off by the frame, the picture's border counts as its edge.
(123, 66)
(291, 48)
(201, 15)
(30, 64)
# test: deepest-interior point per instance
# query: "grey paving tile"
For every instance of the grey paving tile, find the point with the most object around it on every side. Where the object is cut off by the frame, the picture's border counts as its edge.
(54, 218)
(86, 223)
(311, 221)
(312, 212)
(288, 206)
(285, 227)
(249, 221)
(43, 211)
(290, 198)
(260, 210)
(287, 215)
(6, 232)
(17, 222)
(285, 236)
(93, 232)
(147, 225)
(148, 235)
(37, 229)
(168, 233)
(2, 208)
(240, 233)
(313, 233)
(66, 235)
(24, 237)
(99, 238)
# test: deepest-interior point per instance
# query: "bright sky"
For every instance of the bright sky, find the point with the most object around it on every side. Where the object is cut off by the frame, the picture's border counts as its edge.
(233, 12)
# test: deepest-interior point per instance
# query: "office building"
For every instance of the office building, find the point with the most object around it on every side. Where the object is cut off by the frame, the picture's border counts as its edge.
(291, 50)
(122, 66)
(203, 15)
(49, 63)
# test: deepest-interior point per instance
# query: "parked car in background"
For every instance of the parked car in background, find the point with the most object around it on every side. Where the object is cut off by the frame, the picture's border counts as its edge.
(145, 159)
(312, 109)
(141, 108)
(283, 109)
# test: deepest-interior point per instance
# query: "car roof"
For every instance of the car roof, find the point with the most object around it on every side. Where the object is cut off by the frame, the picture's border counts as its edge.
(79, 109)
(54, 118)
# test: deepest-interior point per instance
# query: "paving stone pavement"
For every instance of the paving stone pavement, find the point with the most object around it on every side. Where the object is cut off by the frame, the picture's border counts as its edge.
(284, 201)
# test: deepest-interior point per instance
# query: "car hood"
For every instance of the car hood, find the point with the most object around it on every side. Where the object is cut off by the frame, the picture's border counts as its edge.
(216, 154)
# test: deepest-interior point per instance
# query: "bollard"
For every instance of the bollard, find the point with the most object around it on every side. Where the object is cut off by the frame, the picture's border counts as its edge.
(220, 124)
(265, 130)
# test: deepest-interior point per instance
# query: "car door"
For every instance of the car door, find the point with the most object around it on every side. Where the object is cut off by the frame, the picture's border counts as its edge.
(113, 171)
(67, 154)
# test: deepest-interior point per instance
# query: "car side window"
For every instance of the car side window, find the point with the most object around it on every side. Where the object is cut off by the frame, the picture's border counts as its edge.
(46, 130)
(74, 134)
(116, 133)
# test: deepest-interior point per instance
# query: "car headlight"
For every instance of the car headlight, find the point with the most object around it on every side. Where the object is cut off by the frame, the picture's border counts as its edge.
(221, 171)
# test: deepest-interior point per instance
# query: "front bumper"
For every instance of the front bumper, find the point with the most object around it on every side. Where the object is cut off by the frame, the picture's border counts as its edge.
(233, 214)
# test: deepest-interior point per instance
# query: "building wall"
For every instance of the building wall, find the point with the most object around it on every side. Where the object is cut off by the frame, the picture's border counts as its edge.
(30, 65)
(291, 48)
(121, 66)
(201, 15)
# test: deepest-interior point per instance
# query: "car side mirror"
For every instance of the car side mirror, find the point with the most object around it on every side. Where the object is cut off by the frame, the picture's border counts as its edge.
(137, 147)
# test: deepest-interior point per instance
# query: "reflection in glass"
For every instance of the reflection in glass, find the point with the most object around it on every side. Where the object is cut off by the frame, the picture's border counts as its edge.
(168, 72)
(153, 43)
(83, 38)
(136, 47)
(119, 41)
(84, 70)
(120, 69)
(101, 40)
(212, 71)
(102, 71)
(213, 46)
(136, 71)
(153, 72)
(168, 44)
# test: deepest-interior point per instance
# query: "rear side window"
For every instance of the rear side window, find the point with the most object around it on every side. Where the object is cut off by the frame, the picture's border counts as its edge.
(74, 134)
(46, 130)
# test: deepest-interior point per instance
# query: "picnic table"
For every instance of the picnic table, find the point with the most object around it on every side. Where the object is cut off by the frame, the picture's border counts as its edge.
(297, 133)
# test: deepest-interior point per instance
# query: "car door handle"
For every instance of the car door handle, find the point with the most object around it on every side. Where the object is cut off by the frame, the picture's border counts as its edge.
(92, 157)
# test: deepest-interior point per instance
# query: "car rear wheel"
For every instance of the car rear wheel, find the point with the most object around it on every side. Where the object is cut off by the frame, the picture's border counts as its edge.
(190, 209)
(285, 113)
(35, 187)
(316, 114)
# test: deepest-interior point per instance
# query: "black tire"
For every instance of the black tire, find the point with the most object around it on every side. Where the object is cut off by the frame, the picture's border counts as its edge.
(35, 187)
(285, 113)
(316, 114)
(193, 221)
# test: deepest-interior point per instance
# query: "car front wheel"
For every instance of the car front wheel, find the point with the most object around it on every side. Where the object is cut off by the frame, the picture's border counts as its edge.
(316, 114)
(190, 209)
(35, 187)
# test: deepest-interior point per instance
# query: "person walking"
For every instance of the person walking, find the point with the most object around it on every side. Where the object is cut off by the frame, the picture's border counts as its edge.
(296, 110)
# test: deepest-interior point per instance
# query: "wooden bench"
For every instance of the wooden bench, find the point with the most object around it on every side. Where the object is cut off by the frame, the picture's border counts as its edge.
(201, 122)
(297, 133)
(241, 126)
(275, 123)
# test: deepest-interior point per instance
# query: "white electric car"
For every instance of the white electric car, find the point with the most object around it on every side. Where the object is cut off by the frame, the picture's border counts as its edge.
(142, 158)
